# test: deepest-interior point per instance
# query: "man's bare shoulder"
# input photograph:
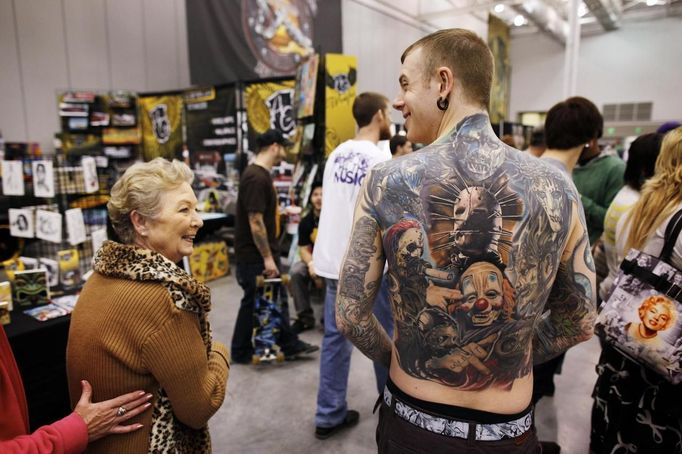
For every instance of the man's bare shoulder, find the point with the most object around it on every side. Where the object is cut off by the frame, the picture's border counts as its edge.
(410, 169)
(532, 166)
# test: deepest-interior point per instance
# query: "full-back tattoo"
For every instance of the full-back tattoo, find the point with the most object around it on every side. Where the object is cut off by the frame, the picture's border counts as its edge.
(488, 258)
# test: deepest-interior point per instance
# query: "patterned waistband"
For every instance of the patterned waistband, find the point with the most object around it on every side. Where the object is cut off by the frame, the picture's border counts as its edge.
(459, 429)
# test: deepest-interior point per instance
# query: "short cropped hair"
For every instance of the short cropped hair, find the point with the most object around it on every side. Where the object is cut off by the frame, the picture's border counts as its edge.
(466, 54)
(641, 162)
(396, 141)
(366, 105)
(572, 122)
(140, 188)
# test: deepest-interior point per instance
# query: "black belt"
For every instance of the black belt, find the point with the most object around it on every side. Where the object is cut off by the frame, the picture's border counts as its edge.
(459, 429)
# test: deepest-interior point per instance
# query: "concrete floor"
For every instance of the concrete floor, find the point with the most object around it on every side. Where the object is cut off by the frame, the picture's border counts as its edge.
(271, 407)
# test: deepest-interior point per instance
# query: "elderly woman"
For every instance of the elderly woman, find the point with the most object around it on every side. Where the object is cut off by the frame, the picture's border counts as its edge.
(141, 321)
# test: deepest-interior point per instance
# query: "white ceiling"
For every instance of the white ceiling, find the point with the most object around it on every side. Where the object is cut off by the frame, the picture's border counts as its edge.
(532, 16)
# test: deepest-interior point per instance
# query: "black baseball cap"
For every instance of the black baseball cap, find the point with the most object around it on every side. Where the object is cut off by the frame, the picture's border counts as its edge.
(272, 136)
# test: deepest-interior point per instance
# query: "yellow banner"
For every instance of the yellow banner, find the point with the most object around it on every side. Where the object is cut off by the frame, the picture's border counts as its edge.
(270, 105)
(498, 40)
(340, 91)
(161, 120)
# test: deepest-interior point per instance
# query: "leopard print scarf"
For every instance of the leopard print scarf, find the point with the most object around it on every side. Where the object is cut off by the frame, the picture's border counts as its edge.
(168, 435)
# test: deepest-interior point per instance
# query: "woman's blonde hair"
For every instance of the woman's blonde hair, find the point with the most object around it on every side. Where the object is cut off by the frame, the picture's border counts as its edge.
(140, 188)
(663, 301)
(661, 194)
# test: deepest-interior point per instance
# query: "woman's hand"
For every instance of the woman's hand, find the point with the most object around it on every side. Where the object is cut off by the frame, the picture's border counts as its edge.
(105, 418)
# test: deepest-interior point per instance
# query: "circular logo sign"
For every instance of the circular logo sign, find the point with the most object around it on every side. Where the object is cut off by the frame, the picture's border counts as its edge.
(278, 32)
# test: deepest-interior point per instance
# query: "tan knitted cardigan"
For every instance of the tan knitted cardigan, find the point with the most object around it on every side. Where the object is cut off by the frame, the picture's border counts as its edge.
(127, 335)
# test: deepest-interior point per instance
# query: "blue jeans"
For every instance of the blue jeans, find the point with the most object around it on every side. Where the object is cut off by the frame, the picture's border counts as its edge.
(335, 358)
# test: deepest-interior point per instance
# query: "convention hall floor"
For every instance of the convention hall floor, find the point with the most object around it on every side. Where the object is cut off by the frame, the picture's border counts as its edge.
(271, 407)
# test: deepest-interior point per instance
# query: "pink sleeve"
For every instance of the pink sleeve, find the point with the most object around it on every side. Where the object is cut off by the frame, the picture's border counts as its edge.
(66, 436)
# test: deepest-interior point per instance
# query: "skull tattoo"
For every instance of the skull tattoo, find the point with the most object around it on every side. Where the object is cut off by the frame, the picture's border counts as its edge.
(481, 158)
(552, 200)
(477, 221)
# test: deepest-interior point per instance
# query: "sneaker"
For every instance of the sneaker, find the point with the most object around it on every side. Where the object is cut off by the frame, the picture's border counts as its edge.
(299, 326)
(351, 419)
(300, 348)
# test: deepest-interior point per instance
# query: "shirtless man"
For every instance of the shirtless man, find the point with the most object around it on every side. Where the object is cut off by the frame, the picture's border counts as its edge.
(455, 221)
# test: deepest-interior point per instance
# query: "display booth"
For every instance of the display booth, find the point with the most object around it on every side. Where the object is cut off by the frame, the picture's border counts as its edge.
(57, 217)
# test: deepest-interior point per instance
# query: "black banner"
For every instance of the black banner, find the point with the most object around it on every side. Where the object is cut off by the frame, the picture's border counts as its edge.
(232, 40)
(211, 120)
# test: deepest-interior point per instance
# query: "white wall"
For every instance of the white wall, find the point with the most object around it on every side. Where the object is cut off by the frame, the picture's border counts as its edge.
(378, 39)
(48, 46)
(640, 62)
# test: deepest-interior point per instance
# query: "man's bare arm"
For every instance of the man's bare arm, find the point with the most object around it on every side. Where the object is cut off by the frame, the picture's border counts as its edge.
(260, 238)
(358, 285)
(571, 303)
(306, 255)
(259, 233)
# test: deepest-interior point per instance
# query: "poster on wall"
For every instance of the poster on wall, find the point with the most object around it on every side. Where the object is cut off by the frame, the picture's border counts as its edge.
(21, 222)
(98, 237)
(43, 178)
(12, 177)
(210, 118)
(306, 84)
(75, 226)
(270, 105)
(498, 40)
(161, 120)
(248, 39)
(49, 226)
(90, 179)
(340, 89)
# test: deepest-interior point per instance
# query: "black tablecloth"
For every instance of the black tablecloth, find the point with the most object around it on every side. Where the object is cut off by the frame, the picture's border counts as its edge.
(40, 351)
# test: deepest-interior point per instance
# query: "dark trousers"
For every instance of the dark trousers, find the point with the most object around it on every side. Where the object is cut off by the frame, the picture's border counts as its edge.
(543, 377)
(394, 435)
(300, 291)
(242, 348)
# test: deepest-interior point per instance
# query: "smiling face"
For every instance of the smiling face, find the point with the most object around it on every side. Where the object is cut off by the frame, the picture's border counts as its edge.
(482, 292)
(416, 100)
(171, 232)
(656, 316)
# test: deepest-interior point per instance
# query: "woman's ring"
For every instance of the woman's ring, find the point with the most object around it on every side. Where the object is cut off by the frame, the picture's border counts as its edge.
(121, 411)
